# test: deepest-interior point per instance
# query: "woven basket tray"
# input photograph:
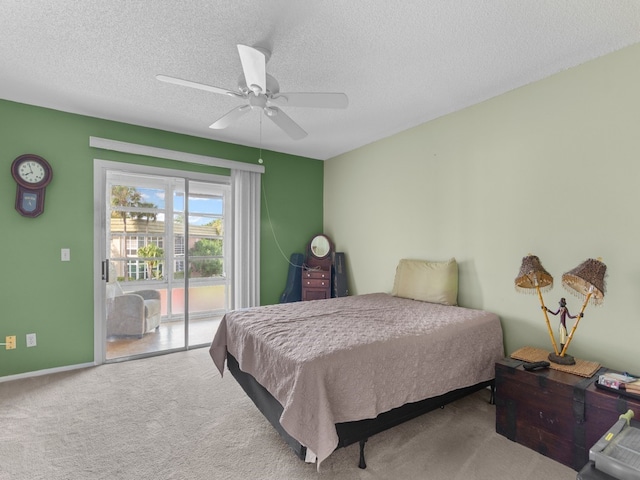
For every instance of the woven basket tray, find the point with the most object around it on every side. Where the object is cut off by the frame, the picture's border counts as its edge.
(583, 368)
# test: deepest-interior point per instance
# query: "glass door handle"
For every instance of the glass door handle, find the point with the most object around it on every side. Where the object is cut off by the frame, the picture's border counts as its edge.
(105, 270)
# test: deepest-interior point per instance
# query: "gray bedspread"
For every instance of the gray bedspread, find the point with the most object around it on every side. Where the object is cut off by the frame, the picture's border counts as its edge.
(351, 358)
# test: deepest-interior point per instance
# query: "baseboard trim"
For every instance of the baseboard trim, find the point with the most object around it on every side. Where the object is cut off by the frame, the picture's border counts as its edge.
(39, 373)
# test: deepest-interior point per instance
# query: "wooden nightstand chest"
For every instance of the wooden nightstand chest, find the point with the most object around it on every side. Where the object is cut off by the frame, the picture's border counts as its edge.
(560, 415)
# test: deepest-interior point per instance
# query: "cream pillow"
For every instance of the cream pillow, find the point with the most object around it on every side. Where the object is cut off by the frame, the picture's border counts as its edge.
(435, 282)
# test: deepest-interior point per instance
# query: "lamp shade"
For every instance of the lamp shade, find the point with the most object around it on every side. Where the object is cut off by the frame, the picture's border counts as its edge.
(588, 277)
(532, 274)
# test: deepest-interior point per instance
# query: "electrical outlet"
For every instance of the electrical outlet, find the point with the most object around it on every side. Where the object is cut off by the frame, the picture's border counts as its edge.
(65, 255)
(10, 342)
(31, 340)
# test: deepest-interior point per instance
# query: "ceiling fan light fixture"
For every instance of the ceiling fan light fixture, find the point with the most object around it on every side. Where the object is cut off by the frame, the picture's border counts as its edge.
(259, 101)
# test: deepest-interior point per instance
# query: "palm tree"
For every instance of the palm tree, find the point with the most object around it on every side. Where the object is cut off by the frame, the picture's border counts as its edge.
(149, 253)
(123, 196)
(147, 216)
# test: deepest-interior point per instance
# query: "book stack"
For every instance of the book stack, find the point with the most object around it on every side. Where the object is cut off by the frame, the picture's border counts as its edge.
(633, 387)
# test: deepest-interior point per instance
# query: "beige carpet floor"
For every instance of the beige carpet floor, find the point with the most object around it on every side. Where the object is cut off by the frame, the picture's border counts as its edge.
(174, 417)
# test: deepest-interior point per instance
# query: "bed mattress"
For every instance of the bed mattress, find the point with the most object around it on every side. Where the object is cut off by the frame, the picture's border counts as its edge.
(352, 358)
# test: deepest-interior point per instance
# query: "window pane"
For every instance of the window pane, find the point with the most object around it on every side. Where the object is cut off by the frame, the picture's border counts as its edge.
(151, 198)
(206, 204)
(205, 258)
(137, 231)
(178, 201)
(206, 268)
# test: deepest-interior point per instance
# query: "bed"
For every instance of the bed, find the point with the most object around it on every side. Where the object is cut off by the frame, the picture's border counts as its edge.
(329, 373)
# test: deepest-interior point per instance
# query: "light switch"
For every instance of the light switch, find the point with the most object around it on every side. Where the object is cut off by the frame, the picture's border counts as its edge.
(65, 255)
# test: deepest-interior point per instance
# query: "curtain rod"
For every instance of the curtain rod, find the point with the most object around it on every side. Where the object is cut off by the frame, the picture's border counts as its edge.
(125, 147)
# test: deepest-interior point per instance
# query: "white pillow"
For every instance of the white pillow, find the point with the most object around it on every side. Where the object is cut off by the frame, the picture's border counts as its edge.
(435, 282)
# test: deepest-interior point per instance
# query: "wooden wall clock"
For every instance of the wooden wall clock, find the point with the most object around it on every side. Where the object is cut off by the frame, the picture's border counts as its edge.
(32, 175)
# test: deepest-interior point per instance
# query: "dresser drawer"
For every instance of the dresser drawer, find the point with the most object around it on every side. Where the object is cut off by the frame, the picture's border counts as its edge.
(315, 294)
(316, 274)
(316, 283)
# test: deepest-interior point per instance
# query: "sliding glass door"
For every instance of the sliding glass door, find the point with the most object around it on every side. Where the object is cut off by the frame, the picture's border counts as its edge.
(200, 261)
(165, 267)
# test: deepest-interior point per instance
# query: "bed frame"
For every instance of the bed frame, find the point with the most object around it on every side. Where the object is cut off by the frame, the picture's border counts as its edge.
(348, 432)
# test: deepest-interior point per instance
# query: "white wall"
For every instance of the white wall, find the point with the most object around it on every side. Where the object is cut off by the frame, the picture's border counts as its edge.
(550, 169)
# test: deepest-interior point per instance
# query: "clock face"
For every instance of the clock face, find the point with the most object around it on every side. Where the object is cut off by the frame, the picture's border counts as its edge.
(31, 171)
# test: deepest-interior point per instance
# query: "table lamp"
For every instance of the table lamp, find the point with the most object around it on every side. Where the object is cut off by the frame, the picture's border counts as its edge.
(533, 276)
(587, 280)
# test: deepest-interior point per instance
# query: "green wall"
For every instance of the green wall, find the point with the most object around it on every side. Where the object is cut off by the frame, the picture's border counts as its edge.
(54, 299)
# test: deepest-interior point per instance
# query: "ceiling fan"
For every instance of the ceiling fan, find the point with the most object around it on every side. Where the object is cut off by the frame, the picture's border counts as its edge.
(261, 90)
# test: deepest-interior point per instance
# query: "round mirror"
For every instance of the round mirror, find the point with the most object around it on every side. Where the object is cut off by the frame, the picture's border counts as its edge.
(320, 246)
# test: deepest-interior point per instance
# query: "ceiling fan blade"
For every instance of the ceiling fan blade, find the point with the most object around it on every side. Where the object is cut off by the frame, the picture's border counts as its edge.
(285, 122)
(254, 65)
(200, 86)
(230, 117)
(311, 100)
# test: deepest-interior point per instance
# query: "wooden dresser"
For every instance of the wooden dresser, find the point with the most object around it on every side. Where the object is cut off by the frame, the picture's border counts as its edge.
(317, 270)
(316, 284)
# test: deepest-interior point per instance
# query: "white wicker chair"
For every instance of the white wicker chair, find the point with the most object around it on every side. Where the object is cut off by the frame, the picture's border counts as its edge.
(133, 313)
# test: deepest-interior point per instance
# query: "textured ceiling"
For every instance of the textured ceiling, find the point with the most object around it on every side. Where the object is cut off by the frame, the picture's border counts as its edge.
(400, 63)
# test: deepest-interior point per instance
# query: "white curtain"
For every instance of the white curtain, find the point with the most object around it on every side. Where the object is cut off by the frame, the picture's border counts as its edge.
(245, 190)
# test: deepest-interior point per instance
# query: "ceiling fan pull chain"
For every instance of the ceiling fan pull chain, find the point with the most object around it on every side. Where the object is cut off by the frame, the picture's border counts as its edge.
(260, 161)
